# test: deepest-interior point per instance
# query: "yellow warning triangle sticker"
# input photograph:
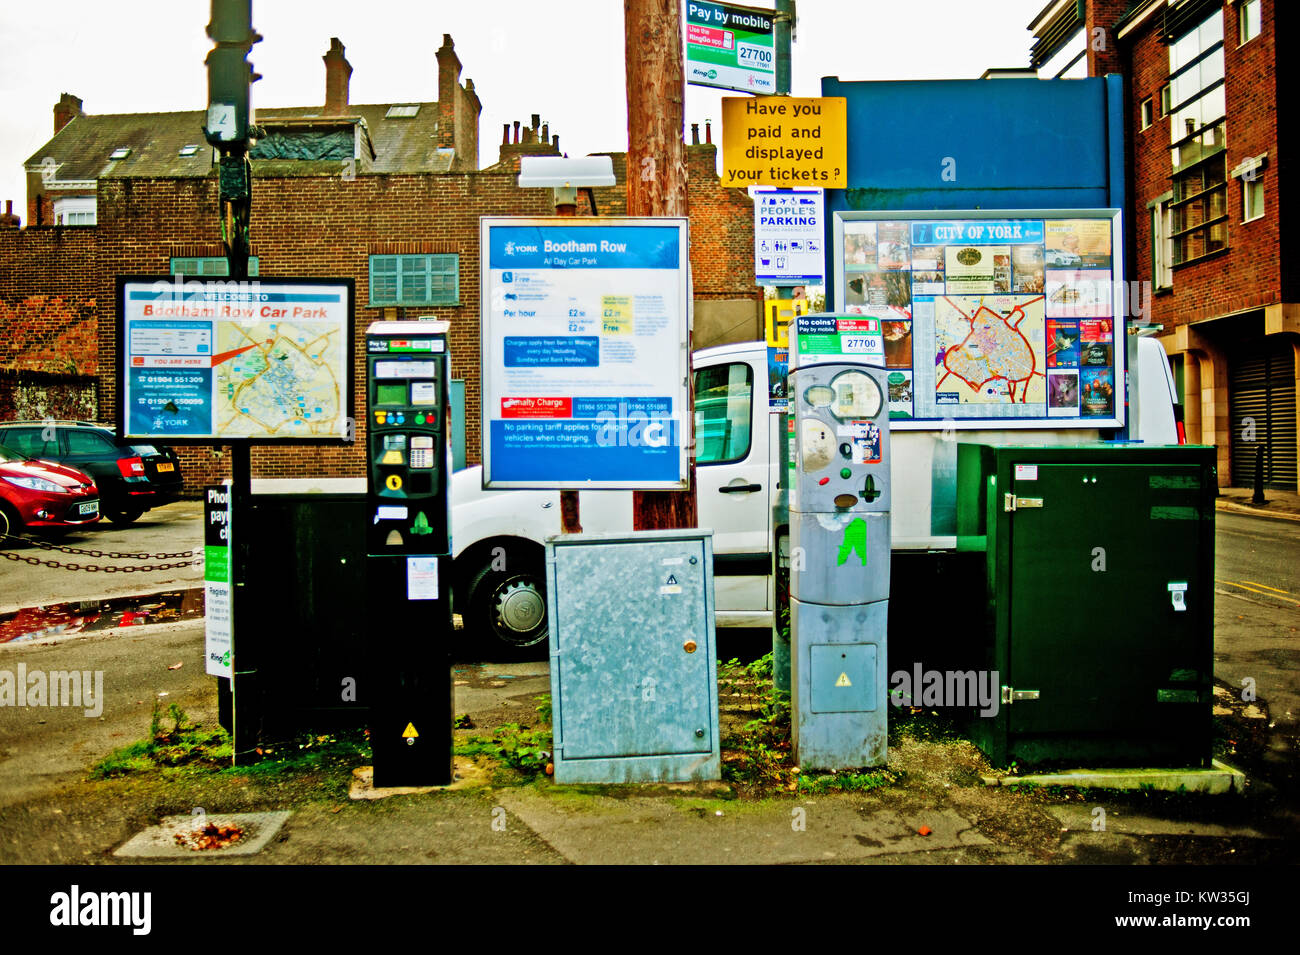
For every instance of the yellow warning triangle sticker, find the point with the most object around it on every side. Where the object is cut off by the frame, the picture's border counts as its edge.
(843, 680)
(409, 732)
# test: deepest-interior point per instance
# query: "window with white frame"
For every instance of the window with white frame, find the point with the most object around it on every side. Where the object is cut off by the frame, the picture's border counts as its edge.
(1147, 117)
(1249, 20)
(1162, 246)
(1252, 198)
(1197, 100)
(75, 210)
(1198, 134)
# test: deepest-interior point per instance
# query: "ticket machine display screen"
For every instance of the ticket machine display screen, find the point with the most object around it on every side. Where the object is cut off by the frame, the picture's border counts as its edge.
(389, 394)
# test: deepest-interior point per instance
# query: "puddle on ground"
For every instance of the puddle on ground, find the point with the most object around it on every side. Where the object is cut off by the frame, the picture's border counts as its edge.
(86, 616)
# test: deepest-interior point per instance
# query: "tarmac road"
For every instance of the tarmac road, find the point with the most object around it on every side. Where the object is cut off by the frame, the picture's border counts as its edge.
(170, 529)
(1257, 610)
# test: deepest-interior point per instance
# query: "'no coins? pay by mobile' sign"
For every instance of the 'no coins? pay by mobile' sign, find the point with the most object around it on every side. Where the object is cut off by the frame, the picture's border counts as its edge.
(784, 141)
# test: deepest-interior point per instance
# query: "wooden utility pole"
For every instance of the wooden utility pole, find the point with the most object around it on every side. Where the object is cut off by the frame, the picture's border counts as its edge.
(656, 185)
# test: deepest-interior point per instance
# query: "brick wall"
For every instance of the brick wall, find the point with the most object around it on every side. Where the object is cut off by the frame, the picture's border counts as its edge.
(315, 226)
(1248, 275)
(722, 225)
(1104, 52)
(57, 285)
(1234, 285)
(49, 300)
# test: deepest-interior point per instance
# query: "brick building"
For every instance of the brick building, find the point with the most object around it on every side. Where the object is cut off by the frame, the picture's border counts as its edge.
(389, 195)
(1207, 180)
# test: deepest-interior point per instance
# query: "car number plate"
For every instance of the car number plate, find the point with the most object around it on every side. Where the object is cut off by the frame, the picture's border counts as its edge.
(91, 507)
(166, 467)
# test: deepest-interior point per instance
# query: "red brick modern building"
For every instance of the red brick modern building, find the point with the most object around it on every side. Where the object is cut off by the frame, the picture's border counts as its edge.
(389, 195)
(1209, 187)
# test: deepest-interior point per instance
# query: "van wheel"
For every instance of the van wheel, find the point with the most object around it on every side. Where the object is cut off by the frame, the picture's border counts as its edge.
(507, 610)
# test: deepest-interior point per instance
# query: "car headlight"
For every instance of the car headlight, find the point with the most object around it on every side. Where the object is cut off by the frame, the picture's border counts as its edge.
(37, 484)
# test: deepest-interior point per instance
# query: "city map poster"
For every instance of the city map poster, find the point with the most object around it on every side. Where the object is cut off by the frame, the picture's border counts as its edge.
(584, 330)
(257, 359)
(989, 319)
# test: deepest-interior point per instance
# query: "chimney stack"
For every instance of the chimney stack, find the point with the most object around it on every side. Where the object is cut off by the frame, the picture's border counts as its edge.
(448, 90)
(65, 110)
(338, 74)
(8, 220)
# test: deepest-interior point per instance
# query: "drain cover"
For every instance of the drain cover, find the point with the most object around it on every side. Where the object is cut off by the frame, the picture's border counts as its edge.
(205, 837)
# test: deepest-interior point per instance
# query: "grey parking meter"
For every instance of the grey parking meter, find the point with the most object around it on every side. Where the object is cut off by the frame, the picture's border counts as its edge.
(839, 564)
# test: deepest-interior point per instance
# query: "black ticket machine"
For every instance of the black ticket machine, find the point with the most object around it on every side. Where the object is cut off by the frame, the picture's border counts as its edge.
(406, 423)
(408, 568)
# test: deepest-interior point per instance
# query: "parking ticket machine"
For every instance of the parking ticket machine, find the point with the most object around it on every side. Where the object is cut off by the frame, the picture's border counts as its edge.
(839, 564)
(406, 408)
(408, 567)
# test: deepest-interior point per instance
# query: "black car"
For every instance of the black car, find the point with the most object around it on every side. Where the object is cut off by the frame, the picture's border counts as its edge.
(132, 476)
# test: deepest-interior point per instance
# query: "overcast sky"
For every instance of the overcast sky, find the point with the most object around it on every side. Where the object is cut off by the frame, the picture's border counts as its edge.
(563, 60)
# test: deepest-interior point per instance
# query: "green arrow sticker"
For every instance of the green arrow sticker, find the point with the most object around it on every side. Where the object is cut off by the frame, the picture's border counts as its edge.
(855, 539)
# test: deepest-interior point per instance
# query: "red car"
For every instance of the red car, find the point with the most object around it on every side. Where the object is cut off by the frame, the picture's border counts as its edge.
(44, 497)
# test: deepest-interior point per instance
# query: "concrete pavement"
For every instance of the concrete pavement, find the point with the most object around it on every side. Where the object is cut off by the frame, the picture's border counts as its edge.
(936, 811)
(1279, 505)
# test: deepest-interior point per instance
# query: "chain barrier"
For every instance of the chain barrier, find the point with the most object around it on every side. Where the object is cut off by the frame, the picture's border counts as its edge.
(195, 558)
(106, 568)
(112, 555)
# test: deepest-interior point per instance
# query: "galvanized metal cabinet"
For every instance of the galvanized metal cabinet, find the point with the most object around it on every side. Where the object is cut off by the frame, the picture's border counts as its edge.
(633, 657)
(1100, 569)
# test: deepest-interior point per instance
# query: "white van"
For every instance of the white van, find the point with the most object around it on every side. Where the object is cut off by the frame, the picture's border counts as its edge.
(498, 536)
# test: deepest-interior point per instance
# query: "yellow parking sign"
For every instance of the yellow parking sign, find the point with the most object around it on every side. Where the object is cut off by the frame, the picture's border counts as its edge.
(785, 141)
(780, 312)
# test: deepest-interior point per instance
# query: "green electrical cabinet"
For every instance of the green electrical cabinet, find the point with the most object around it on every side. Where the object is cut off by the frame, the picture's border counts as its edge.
(1100, 600)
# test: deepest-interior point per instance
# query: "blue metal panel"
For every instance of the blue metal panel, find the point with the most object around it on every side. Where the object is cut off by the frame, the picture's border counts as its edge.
(1115, 138)
(1013, 144)
(633, 657)
(843, 678)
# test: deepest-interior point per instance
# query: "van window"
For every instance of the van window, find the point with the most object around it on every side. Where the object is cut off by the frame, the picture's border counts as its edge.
(724, 406)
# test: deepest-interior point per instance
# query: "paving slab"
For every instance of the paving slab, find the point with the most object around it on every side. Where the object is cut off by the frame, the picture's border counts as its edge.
(1077, 818)
(645, 830)
(1218, 780)
(450, 828)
